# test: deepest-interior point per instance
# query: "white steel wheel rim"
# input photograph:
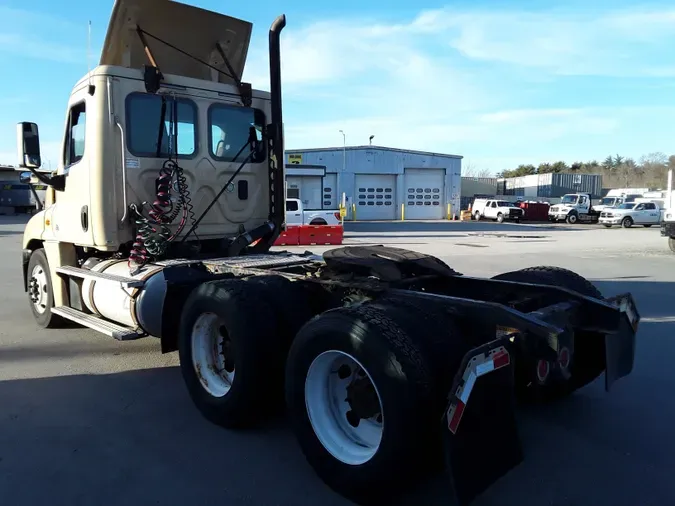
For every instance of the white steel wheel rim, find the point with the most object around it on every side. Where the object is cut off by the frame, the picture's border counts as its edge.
(209, 356)
(39, 288)
(327, 408)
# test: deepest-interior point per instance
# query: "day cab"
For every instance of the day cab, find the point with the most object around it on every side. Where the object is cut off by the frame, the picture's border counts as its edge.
(574, 208)
(144, 104)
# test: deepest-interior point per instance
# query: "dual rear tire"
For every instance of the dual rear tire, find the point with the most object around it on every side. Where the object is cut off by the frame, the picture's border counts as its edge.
(364, 387)
(363, 396)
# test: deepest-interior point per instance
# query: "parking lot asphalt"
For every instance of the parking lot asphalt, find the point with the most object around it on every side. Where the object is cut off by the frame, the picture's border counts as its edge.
(86, 420)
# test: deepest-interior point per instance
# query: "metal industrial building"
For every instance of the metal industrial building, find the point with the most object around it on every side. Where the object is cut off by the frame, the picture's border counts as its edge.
(378, 181)
(551, 185)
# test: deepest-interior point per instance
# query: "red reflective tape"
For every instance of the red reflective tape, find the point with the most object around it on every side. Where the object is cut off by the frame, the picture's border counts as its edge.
(501, 359)
(453, 422)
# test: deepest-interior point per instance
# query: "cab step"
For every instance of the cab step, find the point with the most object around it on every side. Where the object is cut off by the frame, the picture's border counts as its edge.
(119, 332)
(76, 272)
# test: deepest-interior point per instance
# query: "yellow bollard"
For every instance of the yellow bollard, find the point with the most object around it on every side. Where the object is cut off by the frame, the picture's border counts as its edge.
(353, 212)
(448, 215)
(402, 212)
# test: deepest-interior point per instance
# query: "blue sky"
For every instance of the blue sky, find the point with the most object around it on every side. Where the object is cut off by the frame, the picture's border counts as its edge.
(528, 82)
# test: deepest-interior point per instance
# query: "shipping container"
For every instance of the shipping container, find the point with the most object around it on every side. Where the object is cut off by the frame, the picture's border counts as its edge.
(473, 185)
(557, 185)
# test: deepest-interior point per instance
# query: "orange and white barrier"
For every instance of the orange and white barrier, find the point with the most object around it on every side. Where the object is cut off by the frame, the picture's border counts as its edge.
(311, 235)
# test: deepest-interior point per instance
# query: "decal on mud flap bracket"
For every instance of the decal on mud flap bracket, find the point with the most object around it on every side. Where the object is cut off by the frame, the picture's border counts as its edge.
(478, 366)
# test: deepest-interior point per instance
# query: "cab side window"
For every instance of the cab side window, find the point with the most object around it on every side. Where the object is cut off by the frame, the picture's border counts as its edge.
(75, 135)
(291, 205)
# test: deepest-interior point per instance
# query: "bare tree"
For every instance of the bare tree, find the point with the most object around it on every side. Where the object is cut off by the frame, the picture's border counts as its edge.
(470, 170)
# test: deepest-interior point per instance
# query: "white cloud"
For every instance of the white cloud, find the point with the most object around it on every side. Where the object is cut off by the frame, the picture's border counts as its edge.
(592, 43)
(466, 81)
(452, 80)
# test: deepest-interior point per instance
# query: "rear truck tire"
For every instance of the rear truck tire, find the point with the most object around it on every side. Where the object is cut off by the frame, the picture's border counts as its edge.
(572, 218)
(671, 244)
(289, 301)
(500, 218)
(230, 355)
(40, 291)
(441, 343)
(353, 374)
(584, 365)
(627, 222)
(477, 215)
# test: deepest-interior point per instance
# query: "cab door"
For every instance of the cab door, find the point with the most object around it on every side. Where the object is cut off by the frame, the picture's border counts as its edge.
(71, 220)
(293, 213)
(652, 214)
(639, 214)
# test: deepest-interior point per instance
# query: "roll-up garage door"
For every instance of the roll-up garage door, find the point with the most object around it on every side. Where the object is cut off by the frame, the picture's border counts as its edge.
(424, 194)
(375, 197)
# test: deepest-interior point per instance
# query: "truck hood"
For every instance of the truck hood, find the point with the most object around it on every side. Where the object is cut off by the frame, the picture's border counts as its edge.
(195, 31)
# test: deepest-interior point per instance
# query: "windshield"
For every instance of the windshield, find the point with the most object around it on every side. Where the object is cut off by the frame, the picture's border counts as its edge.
(626, 206)
(569, 199)
(608, 201)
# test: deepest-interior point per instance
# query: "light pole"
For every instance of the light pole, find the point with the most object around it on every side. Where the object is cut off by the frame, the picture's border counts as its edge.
(344, 165)
(344, 150)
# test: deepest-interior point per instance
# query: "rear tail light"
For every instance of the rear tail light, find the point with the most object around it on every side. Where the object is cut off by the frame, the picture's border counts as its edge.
(337, 216)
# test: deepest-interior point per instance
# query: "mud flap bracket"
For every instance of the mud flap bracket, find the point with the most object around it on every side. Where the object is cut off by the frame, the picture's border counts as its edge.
(620, 345)
(479, 427)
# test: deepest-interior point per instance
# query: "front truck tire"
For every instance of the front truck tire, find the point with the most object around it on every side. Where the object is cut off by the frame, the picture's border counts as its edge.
(585, 364)
(671, 244)
(354, 374)
(230, 354)
(40, 291)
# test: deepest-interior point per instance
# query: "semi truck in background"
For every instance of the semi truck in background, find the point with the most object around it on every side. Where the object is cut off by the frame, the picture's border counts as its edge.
(574, 208)
(619, 196)
(154, 231)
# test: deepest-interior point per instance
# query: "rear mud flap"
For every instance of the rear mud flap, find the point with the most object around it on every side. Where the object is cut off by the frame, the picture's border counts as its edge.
(479, 427)
(620, 345)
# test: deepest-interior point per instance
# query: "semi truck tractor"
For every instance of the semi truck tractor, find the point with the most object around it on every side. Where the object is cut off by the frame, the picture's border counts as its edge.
(159, 224)
(574, 208)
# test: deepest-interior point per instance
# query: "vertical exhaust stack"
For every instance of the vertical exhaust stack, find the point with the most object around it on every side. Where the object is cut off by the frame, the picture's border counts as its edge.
(276, 140)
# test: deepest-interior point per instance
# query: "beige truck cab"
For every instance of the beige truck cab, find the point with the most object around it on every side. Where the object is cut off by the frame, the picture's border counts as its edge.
(151, 136)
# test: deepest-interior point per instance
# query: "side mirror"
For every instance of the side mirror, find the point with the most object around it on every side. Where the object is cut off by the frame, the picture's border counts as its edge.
(25, 177)
(28, 143)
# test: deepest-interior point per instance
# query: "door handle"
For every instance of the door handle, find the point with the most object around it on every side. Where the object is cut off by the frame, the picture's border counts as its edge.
(84, 218)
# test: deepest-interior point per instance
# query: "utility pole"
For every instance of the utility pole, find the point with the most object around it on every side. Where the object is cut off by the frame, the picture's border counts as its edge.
(344, 151)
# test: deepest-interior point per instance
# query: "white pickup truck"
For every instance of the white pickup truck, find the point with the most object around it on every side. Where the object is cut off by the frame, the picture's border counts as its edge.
(629, 214)
(498, 210)
(296, 215)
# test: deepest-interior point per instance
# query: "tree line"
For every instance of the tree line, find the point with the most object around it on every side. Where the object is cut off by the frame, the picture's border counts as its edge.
(649, 171)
